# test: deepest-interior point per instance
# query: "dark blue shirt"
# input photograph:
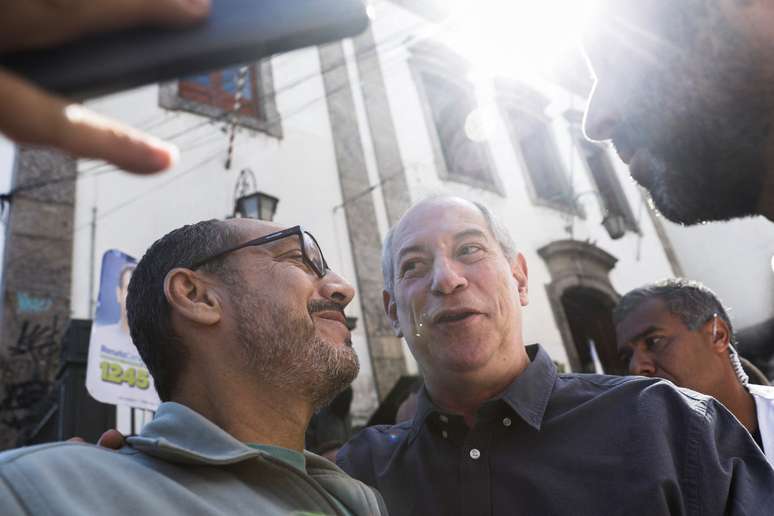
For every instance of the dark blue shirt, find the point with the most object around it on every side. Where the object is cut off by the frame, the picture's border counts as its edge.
(568, 444)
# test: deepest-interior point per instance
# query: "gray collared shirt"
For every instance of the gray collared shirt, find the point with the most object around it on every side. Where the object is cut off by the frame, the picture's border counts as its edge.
(570, 444)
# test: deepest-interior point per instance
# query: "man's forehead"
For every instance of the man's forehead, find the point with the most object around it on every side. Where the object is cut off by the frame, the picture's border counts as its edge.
(438, 219)
(651, 313)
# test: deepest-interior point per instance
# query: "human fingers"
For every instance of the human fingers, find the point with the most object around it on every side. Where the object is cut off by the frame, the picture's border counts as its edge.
(111, 439)
(30, 115)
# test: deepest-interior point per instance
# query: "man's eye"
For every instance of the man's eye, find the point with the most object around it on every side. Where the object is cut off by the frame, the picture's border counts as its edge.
(469, 249)
(294, 256)
(654, 341)
(411, 267)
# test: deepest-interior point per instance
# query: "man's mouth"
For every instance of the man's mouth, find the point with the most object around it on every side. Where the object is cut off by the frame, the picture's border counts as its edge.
(333, 316)
(338, 317)
(454, 316)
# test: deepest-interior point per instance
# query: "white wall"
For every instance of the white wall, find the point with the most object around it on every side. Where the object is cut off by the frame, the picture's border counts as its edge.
(7, 164)
(734, 259)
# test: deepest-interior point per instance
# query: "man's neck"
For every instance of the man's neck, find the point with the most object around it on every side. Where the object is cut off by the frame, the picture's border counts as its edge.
(465, 393)
(258, 416)
(740, 402)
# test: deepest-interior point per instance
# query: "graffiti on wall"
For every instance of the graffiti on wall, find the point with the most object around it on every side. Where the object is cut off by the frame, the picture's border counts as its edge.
(27, 370)
(29, 304)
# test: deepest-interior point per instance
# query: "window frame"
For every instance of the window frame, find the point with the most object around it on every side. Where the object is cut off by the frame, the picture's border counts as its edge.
(435, 59)
(513, 98)
(260, 114)
(617, 196)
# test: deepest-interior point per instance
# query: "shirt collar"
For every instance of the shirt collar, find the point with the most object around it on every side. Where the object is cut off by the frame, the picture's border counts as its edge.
(527, 395)
(181, 435)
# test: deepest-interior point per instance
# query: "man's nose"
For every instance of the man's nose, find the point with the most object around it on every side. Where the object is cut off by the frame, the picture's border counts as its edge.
(337, 289)
(446, 277)
(601, 117)
(641, 364)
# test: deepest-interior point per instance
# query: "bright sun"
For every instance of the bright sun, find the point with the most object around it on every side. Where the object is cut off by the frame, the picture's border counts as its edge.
(513, 37)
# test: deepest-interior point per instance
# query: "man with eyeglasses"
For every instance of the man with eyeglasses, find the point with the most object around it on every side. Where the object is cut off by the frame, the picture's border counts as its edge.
(679, 330)
(241, 323)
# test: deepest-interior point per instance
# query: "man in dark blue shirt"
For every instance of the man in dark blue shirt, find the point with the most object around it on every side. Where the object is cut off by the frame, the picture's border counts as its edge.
(498, 431)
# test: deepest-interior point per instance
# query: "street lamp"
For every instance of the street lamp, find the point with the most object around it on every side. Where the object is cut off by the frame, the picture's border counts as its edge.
(257, 205)
(614, 223)
(250, 203)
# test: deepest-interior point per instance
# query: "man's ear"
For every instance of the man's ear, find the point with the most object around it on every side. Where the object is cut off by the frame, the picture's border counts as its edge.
(520, 273)
(391, 309)
(191, 297)
(720, 334)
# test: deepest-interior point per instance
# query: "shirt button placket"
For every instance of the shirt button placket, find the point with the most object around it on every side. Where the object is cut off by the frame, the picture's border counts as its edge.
(475, 492)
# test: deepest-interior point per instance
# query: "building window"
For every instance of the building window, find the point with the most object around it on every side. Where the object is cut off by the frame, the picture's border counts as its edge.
(539, 151)
(218, 89)
(533, 140)
(213, 95)
(448, 103)
(607, 183)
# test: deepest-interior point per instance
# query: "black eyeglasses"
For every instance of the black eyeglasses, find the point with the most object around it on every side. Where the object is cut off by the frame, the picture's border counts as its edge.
(310, 249)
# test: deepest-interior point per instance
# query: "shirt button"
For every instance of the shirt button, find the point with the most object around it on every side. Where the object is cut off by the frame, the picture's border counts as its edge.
(444, 433)
(475, 454)
(507, 421)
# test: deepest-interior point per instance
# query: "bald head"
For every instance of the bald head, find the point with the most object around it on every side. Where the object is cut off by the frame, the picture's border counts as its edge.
(500, 233)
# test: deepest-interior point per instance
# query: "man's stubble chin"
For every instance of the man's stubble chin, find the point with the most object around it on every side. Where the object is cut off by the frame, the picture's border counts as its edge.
(283, 349)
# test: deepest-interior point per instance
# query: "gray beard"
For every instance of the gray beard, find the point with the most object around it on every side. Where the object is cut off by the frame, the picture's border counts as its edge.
(283, 349)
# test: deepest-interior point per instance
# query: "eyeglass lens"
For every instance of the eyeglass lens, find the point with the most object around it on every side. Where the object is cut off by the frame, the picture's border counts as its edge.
(314, 253)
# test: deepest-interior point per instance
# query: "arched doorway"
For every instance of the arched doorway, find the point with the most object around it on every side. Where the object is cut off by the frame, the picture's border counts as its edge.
(582, 299)
(589, 316)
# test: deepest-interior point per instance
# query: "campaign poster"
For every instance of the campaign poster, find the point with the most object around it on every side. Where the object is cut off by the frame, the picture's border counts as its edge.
(115, 372)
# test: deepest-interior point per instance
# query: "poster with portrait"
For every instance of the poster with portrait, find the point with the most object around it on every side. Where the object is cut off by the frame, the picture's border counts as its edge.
(115, 372)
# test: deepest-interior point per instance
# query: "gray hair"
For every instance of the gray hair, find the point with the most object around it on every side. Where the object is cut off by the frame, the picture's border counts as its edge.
(498, 230)
(691, 301)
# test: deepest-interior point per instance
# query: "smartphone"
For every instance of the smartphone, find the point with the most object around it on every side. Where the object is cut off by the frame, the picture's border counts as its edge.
(237, 31)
